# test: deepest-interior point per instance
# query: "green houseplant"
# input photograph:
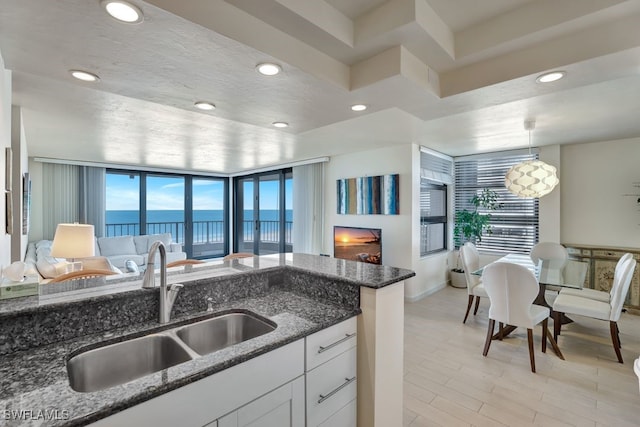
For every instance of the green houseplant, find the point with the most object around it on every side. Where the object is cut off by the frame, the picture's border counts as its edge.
(470, 225)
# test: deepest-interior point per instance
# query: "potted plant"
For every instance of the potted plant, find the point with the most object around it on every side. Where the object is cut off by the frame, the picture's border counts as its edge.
(470, 225)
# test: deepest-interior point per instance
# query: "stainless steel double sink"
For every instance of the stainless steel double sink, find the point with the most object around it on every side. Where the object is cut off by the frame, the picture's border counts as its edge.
(124, 361)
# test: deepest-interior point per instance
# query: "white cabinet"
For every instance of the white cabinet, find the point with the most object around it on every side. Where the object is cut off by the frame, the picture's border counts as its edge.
(345, 417)
(199, 403)
(310, 382)
(331, 356)
(281, 407)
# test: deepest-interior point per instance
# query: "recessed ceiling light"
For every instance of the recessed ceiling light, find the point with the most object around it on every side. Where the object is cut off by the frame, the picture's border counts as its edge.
(551, 77)
(123, 11)
(203, 105)
(358, 107)
(268, 69)
(85, 76)
(280, 124)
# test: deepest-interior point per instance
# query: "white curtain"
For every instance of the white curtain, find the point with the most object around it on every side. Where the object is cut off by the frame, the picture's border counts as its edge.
(93, 199)
(61, 196)
(308, 208)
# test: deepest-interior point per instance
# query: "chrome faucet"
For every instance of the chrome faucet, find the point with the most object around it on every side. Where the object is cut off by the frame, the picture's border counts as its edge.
(168, 294)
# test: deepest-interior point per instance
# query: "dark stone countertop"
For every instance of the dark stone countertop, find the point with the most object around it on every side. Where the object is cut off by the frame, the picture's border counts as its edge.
(301, 293)
(358, 273)
(36, 380)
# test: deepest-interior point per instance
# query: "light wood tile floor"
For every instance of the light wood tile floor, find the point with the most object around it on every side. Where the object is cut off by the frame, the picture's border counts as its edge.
(447, 381)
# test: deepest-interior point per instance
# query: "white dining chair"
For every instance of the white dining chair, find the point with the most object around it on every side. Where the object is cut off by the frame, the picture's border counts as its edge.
(470, 263)
(512, 288)
(611, 310)
(593, 293)
(550, 251)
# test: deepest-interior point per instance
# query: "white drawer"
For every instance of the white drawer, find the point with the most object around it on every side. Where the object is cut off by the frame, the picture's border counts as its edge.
(345, 417)
(331, 386)
(328, 343)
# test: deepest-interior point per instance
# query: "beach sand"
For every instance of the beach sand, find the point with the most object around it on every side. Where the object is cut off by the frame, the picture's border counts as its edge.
(351, 252)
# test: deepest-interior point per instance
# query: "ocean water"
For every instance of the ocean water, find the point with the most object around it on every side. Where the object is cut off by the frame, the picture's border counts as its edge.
(132, 217)
(208, 224)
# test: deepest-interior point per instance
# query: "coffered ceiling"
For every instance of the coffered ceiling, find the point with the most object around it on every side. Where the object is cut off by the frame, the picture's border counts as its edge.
(458, 76)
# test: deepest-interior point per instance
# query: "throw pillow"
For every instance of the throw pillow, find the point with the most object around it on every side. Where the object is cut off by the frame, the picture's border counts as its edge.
(122, 245)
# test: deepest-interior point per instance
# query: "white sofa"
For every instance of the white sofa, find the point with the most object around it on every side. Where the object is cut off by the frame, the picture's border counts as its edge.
(136, 248)
(116, 251)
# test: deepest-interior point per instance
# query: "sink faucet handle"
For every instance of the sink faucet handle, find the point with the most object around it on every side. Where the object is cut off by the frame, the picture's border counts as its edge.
(209, 304)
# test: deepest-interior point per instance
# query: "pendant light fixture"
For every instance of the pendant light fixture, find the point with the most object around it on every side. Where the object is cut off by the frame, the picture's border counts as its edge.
(531, 178)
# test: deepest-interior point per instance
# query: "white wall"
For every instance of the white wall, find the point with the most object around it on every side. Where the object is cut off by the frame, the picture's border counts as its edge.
(5, 141)
(400, 233)
(396, 229)
(19, 241)
(550, 205)
(599, 200)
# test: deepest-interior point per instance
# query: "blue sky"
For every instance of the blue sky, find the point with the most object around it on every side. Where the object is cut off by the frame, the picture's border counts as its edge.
(167, 193)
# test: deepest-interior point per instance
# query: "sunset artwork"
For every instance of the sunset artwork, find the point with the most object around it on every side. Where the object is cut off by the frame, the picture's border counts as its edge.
(358, 244)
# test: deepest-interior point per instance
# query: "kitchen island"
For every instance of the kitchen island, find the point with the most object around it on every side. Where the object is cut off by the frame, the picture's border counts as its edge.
(302, 294)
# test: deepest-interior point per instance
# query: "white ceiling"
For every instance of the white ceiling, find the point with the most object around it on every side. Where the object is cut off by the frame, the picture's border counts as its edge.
(455, 75)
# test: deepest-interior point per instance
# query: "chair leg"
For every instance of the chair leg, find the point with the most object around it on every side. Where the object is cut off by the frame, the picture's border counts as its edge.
(468, 308)
(544, 334)
(531, 357)
(618, 333)
(487, 341)
(500, 331)
(475, 310)
(614, 337)
(557, 325)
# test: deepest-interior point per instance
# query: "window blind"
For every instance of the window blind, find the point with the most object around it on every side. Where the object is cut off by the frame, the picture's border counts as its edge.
(436, 171)
(515, 224)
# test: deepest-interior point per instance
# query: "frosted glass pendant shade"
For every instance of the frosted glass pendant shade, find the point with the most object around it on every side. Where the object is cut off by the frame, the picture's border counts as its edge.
(73, 241)
(531, 179)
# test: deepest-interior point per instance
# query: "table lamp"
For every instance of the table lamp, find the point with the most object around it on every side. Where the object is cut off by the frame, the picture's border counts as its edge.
(73, 241)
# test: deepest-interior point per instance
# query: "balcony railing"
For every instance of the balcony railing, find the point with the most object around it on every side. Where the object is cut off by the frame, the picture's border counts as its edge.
(205, 231)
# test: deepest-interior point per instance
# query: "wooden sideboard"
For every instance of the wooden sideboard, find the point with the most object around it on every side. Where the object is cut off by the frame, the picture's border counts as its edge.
(602, 262)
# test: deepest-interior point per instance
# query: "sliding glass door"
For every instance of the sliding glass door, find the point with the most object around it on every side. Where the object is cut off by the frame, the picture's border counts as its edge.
(263, 215)
(165, 210)
(208, 233)
(192, 208)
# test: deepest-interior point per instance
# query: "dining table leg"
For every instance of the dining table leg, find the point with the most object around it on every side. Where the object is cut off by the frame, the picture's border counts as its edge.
(541, 300)
(554, 344)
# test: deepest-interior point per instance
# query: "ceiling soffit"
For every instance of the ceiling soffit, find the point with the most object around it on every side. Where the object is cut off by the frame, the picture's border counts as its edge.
(529, 39)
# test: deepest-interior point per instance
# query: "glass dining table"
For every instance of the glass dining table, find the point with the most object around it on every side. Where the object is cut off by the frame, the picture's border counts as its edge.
(549, 272)
(560, 273)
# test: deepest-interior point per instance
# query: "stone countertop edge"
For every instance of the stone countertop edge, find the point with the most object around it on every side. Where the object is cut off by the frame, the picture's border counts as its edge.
(85, 408)
(369, 275)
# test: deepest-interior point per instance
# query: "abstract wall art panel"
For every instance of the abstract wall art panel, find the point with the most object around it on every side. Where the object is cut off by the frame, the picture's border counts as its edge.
(369, 195)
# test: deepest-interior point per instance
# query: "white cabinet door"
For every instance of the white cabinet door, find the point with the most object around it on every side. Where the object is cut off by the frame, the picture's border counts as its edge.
(282, 407)
(345, 417)
(326, 344)
(331, 386)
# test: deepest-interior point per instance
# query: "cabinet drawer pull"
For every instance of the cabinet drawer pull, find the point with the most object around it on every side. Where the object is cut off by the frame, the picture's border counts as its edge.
(346, 382)
(322, 349)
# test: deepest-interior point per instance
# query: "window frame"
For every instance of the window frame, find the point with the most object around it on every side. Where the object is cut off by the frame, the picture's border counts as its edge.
(187, 239)
(434, 219)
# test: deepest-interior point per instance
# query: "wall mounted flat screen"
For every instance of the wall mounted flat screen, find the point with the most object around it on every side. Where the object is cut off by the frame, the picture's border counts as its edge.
(358, 244)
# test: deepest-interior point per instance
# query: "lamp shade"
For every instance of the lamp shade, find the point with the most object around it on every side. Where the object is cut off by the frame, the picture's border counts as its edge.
(73, 241)
(531, 178)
